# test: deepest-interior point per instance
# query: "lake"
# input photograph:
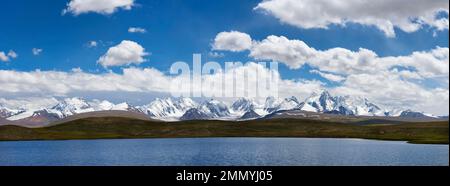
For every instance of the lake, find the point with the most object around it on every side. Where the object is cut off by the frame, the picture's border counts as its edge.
(222, 151)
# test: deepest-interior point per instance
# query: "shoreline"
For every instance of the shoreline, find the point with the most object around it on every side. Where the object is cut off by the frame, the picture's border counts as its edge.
(225, 137)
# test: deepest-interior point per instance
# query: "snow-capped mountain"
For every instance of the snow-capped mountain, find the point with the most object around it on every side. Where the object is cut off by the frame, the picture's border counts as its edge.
(344, 105)
(168, 108)
(273, 104)
(195, 114)
(394, 112)
(71, 106)
(106, 105)
(250, 115)
(175, 109)
(358, 106)
(7, 112)
(214, 108)
(411, 114)
(243, 105)
(323, 102)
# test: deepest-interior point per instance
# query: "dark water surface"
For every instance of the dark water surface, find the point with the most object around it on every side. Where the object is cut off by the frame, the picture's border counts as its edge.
(222, 151)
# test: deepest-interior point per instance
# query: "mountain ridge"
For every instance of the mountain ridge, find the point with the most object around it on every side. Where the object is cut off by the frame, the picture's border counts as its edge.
(179, 109)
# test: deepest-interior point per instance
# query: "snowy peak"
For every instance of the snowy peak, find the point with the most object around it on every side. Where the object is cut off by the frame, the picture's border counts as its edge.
(174, 109)
(125, 106)
(344, 105)
(103, 105)
(289, 103)
(195, 114)
(168, 108)
(215, 109)
(186, 103)
(243, 105)
(358, 106)
(7, 112)
(323, 102)
(272, 104)
(71, 106)
(412, 114)
(275, 104)
(250, 115)
(212, 109)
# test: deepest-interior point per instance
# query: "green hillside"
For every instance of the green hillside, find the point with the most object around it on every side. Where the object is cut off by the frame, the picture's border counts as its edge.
(116, 127)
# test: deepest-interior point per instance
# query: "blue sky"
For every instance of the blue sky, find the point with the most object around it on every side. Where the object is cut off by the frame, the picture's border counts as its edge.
(175, 29)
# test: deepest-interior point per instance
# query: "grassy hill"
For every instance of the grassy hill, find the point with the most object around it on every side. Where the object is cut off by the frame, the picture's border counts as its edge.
(119, 127)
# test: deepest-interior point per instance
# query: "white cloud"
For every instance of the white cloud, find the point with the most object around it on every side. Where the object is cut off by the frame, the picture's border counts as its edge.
(36, 51)
(295, 53)
(77, 7)
(92, 44)
(216, 54)
(136, 30)
(329, 76)
(12, 54)
(418, 81)
(390, 89)
(57, 83)
(125, 53)
(5, 57)
(76, 70)
(384, 87)
(232, 41)
(407, 15)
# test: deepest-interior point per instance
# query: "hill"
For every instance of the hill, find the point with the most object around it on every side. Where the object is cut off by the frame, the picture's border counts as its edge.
(121, 127)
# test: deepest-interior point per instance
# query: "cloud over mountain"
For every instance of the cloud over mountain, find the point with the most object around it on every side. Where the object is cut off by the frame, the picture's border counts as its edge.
(391, 80)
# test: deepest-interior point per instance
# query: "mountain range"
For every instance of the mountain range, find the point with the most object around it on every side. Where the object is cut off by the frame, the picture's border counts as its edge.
(176, 109)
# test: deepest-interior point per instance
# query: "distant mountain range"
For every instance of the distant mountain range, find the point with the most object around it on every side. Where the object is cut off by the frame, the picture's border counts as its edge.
(171, 109)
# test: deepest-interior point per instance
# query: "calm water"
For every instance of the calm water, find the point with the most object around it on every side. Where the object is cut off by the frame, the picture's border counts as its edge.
(222, 151)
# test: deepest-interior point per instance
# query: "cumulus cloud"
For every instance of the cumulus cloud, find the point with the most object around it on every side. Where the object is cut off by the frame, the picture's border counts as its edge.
(57, 83)
(77, 7)
(36, 51)
(232, 41)
(5, 57)
(384, 87)
(137, 30)
(390, 89)
(295, 53)
(392, 80)
(125, 53)
(406, 15)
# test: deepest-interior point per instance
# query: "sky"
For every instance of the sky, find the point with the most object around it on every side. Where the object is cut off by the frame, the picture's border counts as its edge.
(394, 52)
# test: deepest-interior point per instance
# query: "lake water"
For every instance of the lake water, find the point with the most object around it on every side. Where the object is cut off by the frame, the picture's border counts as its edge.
(222, 151)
